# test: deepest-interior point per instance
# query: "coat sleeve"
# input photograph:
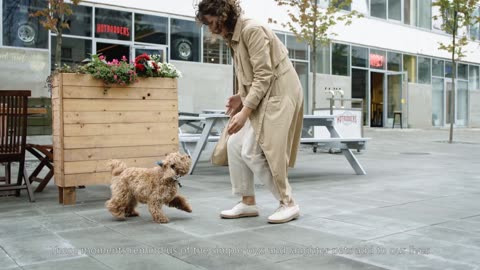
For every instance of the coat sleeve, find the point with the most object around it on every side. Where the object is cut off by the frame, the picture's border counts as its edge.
(258, 46)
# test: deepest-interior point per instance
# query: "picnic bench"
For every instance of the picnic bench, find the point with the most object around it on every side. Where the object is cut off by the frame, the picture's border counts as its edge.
(335, 140)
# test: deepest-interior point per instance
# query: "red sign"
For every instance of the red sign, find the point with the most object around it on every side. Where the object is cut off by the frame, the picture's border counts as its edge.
(347, 118)
(377, 60)
(119, 30)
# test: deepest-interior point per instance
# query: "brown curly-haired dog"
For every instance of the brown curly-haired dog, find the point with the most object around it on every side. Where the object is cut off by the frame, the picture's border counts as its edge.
(154, 187)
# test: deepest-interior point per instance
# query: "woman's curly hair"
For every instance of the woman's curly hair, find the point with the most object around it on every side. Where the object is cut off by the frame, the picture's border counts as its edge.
(227, 11)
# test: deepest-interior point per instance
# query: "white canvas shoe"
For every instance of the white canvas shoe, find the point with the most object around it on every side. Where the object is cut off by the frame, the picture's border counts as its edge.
(240, 210)
(284, 214)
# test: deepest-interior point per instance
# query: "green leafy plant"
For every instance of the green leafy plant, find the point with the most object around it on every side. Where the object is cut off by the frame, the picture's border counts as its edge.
(115, 72)
(121, 72)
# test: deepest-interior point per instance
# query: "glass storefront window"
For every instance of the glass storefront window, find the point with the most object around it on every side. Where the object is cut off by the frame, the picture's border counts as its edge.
(151, 29)
(215, 51)
(462, 103)
(360, 6)
(462, 71)
(448, 69)
(424, 70)
(360, 90)
(281, 37)
(394, 61)
(424, 14)
(113, 24)
(377, 59)
(438, 102)
(297, 49)
(395, 10)
(323, 60)
(474, 77)
(437, 68)
(340, 59)
(185, 40)
(418, 13)
(359, 56)
(19, 28)
(74, 51)
(302, 70)
(378, 8)
(410, 66)
(80, 22)
(475, 28)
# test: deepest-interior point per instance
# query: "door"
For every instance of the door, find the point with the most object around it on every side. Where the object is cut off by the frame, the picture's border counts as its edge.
(151, 50)
(394, 98)
(377, 93)
(113, 50)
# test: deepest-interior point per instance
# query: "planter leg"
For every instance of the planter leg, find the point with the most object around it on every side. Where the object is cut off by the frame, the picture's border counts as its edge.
(66, 195)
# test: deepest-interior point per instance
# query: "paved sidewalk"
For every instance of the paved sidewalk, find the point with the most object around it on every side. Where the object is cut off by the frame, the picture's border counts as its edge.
(418, 207)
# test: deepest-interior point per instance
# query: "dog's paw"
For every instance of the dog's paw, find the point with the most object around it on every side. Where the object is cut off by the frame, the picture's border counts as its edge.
(161, 220)
(187, 208)
(132, 214)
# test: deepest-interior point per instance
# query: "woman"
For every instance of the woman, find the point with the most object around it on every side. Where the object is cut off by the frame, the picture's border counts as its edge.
(266, 114)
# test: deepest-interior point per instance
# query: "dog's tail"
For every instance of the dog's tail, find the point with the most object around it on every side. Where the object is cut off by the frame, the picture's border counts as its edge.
(116, 166)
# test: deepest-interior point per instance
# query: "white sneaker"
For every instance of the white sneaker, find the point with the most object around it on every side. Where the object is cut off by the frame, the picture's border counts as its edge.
(284, 214)
(240, 210)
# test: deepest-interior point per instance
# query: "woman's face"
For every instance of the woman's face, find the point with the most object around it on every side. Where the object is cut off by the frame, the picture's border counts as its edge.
(211, 21)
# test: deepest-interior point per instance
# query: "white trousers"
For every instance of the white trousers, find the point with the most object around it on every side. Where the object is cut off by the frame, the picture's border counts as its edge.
(246, 162)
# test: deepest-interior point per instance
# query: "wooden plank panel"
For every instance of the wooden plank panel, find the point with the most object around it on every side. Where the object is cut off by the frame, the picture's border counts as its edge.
(120, 117)
(119, 152)
(96, 105)
(96, 166)
(88, 80)
(166, 137)
(119, 93)
(85, 179)
(152, 129)
(57, 116)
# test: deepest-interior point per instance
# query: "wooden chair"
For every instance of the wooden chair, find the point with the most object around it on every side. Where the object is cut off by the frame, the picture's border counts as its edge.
(44, 153)
(13, 138)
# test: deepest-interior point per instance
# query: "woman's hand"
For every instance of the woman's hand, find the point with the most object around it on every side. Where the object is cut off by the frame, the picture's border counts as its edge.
(238, 120)
(234, 105)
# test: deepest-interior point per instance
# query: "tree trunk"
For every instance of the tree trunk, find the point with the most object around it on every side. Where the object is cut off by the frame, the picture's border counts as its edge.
(58, 50)
(58, 47)
(454, 76)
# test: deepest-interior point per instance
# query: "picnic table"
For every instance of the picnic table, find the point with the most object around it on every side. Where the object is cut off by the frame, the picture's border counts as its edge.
(335, 140)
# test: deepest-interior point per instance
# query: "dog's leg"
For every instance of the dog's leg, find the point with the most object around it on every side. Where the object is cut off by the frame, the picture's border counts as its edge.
(117, 204)
(181, 203)
(155, 208)
(130, 211)
(116, 208)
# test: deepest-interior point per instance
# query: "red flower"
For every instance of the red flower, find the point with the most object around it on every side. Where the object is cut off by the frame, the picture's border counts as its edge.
(141, 57)
(140, 67)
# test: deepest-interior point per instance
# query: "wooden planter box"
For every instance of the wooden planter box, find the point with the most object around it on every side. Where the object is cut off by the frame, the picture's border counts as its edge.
(137, 124)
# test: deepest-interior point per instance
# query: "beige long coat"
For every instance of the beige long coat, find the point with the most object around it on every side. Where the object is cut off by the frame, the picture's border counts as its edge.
(269, 84)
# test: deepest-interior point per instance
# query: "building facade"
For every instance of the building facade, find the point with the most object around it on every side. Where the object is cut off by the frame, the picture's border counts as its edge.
(389, 59)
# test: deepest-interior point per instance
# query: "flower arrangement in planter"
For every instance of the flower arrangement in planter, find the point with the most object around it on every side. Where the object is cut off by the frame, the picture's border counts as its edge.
(122, 73)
